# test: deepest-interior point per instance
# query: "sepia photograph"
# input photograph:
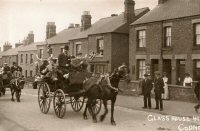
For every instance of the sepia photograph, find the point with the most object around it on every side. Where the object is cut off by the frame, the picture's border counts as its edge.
(100, 65)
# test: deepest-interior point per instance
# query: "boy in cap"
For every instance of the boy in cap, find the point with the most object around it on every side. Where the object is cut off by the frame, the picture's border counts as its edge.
(146, 91)
(159, 89)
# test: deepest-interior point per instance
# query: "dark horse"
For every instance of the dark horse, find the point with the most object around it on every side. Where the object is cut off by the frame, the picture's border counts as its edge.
(16, 85)
(102, 90)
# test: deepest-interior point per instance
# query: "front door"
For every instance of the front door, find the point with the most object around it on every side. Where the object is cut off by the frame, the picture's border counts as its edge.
(167, 67)
(154, 67)
(180, 71)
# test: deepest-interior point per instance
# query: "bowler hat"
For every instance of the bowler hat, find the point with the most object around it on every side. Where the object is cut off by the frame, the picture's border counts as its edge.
(157, 72)
(66, 47)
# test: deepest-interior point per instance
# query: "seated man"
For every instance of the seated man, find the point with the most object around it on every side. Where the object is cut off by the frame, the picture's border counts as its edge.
(64, 60)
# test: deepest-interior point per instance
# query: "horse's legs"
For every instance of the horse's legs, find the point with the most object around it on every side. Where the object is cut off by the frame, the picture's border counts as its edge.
(17, 94)
(90, 105)
(112, 110)
(12, 93)
(85, 112)
(102, 117)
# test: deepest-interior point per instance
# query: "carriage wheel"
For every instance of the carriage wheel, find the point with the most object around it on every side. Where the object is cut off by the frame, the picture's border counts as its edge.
(77, 103)
(96, 107)
(59, 103)
(44, 99)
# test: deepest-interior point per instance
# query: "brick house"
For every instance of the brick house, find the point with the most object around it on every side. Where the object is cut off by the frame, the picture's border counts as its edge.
(57, 41)
(167, 39)
(27, 58)
(108, 37)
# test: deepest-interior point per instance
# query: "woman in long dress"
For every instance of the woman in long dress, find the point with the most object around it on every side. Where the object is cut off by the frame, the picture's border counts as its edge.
(165, 95)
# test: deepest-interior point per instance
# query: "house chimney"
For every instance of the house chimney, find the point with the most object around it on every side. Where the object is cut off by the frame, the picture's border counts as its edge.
(161, 1)
(50, 29)
(18, 44)
(85, 20)
(129, 13)
(7, 46)
(71, 26)
(30, 37)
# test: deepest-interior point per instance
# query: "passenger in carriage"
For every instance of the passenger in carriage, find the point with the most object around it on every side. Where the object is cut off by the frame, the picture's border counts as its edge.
(64, 60)
(16, 70)
(6, 73)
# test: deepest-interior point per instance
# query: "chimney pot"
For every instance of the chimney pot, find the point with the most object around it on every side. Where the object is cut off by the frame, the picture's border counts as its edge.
(114, 15)
(71, 25)
(77, 25)
(161, 1)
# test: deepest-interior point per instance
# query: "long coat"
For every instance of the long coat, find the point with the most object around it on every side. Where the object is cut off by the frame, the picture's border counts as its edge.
(146, 86)
(63, 60)
(197, 90)
(159, 85)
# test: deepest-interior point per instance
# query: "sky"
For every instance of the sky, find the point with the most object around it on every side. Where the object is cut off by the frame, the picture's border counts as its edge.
(19, 17)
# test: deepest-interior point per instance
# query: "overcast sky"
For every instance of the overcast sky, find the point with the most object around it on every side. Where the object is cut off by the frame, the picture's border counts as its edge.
(18, 17)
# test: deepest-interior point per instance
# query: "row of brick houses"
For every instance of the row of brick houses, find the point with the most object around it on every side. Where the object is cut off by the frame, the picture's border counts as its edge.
(167, 39)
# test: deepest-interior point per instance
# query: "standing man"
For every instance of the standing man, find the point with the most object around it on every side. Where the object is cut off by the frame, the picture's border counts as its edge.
(64, 60)
(159, 89)
(146, 91)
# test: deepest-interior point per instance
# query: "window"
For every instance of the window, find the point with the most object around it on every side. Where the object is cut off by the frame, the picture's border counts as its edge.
(197, 34)
(41, 53)
(141, 68)
(100, 68)
(196, 69)
(141, 38)
(26, 73)
(21, 61)
(100, 44)
(168, 37)
(61, 50)
(26, 58)
(31, 73)
(78, 49)
(31, 58)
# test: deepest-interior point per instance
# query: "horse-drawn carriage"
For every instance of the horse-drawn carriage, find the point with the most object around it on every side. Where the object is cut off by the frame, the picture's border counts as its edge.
(64, 91)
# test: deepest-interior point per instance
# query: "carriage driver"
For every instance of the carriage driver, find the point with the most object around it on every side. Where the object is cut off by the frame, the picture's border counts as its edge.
(16, 70)
(64, 60)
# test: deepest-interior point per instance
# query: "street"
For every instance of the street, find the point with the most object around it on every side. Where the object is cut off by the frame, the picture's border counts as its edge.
(26, 116)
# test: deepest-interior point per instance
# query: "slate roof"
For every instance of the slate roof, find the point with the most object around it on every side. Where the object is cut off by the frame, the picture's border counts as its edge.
(31, 47)
(64, 36)
(171, 9)
(13, 51)
(109, 24)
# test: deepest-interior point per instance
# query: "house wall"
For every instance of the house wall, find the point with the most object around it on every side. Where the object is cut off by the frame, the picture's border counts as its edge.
(182, 45)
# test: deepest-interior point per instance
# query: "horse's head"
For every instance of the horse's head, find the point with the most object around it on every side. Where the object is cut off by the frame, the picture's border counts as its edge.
(19, 83)
(121, 72)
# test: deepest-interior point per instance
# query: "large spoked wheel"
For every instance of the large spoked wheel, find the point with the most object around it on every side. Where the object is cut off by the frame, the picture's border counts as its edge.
(44, 98)
(96, 107)
(59, 103)
(77, 103)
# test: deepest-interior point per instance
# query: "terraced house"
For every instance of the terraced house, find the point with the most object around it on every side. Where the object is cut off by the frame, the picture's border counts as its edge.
(167, 39)
(108, 37)
(56, 41)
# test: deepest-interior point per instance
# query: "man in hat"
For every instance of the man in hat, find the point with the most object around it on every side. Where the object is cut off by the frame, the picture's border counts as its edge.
(64, 60)
(146, 91)
(159, 89)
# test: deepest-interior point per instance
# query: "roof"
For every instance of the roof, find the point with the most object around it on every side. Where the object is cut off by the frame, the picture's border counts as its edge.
(109, 24)
(64, 36)
(13, 51)
(31, 47)
(171, 9)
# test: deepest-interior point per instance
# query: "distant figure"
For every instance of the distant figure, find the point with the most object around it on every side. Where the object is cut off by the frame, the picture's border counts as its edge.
(165, 95)
(146, 91)
(159, 89)
(188, 80)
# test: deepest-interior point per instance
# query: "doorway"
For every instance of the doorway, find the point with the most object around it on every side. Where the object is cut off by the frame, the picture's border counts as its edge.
(167, 67)
(154, 67)
(180, 71)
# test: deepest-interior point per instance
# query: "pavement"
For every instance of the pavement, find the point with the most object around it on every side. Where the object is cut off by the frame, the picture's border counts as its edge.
(177, 108)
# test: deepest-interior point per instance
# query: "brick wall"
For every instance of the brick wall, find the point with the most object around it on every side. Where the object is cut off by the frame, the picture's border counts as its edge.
(120, 50)
(182, 44)
(177, 93)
